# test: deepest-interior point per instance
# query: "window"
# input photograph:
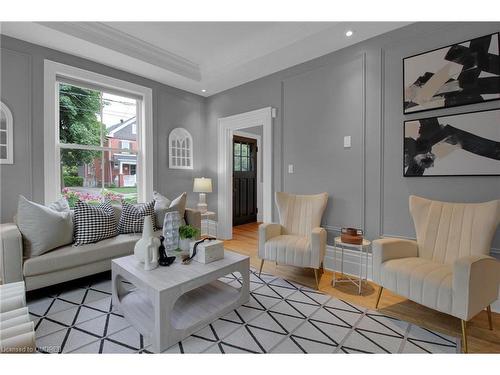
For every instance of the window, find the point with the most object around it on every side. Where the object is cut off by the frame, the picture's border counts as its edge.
(89, 137)
(242, 157)
(6, 133)
(88, 131)
(180, 149)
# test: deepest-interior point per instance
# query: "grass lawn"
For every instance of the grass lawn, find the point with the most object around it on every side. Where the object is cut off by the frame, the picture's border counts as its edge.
(123, 190)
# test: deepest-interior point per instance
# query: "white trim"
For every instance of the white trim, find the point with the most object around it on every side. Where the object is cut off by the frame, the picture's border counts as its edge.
(351, 261)
(122, 144)
(259, 170)
(226, 128)
(108, 37)
(51, 132)
(9, 134)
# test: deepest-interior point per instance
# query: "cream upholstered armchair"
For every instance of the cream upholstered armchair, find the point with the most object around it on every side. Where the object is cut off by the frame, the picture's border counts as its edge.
(448, 267)
(298, 240)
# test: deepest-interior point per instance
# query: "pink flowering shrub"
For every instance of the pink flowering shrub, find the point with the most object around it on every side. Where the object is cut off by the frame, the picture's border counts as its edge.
(73, 196)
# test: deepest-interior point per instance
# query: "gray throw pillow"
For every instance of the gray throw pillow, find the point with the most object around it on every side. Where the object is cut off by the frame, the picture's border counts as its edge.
(44, 228)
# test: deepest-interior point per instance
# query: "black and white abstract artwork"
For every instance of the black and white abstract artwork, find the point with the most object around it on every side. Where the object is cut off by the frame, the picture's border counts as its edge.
(460, 145)
(460, 74)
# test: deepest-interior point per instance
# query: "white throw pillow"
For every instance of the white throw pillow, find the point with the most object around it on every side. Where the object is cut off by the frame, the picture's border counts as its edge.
(44, 228)
(164, 205)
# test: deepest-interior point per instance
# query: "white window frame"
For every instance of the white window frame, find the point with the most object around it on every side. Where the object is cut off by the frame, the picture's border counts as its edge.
(123, 143)
(180, 135)
(9, 134)
(52, 158)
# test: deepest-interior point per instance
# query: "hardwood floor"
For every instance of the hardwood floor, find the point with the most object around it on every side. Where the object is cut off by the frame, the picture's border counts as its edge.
(481, 339)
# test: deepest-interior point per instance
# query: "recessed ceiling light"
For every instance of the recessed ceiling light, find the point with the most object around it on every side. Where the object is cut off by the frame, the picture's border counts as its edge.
(203, 90)
(349, 33)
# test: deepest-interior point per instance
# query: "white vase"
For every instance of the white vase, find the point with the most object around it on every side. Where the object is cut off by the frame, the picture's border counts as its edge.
(171, 231)
(146, 249)
(184, 244)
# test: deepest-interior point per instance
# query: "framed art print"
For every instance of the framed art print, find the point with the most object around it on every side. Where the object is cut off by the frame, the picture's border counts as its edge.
(465, 144)
(460, 74)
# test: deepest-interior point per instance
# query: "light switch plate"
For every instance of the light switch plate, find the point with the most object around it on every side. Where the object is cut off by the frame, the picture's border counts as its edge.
(347, 141)
(290, 168)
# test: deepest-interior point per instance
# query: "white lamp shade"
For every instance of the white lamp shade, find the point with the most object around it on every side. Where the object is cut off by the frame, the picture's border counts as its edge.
(202, 185)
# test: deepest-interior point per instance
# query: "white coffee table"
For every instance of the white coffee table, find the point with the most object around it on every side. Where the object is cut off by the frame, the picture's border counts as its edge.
(170, 303)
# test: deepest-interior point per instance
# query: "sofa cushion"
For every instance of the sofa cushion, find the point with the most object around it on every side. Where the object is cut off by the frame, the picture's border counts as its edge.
(44, 227)
(67, 257)
(421, 280)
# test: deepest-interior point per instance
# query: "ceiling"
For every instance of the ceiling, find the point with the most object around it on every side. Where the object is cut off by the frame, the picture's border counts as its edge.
(197, 56)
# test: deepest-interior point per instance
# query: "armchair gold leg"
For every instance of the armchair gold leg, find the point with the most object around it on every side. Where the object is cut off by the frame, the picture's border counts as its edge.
(261, 265)
(490, 320)
(464, 337)
(378, 296)
(317, 278)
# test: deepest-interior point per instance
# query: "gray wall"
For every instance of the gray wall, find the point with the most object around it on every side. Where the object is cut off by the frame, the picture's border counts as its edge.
(22, 90)
(355, 91)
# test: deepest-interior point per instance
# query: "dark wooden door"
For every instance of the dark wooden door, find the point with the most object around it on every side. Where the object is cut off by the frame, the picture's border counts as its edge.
(244, 180)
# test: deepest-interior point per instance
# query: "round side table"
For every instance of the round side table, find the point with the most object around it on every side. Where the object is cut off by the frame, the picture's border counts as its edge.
(363, 249)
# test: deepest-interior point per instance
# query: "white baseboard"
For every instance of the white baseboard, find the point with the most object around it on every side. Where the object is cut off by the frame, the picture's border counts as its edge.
(351, 261)
(351, 266)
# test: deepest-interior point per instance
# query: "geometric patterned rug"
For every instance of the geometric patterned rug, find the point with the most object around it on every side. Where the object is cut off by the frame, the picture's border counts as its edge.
(280, 317)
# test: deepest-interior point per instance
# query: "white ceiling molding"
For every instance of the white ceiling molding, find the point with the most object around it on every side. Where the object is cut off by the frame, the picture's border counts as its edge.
(200, 57)
(108, 37)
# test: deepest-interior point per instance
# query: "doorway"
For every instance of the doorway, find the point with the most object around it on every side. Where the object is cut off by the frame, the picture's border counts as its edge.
(244, 180)
(227, 126)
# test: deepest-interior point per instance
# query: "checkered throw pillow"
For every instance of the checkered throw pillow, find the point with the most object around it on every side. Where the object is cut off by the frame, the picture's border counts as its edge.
(93, 223)
(132, 217)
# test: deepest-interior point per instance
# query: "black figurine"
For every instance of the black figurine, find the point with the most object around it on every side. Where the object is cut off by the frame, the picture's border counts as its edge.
(164, 260)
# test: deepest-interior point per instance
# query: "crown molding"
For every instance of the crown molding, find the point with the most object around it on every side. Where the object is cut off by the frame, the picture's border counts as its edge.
(108, 37)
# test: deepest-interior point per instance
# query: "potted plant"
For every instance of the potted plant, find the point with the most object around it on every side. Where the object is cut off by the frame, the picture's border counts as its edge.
(187, 233)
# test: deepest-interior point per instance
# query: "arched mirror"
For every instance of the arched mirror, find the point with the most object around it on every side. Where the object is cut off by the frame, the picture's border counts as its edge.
(180, 144)
(6, 135)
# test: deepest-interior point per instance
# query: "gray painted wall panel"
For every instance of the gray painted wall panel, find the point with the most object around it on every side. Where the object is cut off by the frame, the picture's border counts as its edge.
(15, 93)
(386, 191)
(396, 187)
(321, 107)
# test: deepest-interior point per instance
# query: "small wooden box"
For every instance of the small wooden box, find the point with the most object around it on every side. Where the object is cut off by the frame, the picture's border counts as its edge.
(208, 251)
(351, 235)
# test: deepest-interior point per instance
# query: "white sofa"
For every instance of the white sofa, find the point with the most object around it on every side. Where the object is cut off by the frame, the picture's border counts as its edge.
(448, 267)
(67, 262)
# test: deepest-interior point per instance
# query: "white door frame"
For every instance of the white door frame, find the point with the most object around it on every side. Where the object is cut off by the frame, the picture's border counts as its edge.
(226, 128)
(258, 138)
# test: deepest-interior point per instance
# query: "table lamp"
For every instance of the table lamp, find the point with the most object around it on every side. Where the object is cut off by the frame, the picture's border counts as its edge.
(202, 185)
